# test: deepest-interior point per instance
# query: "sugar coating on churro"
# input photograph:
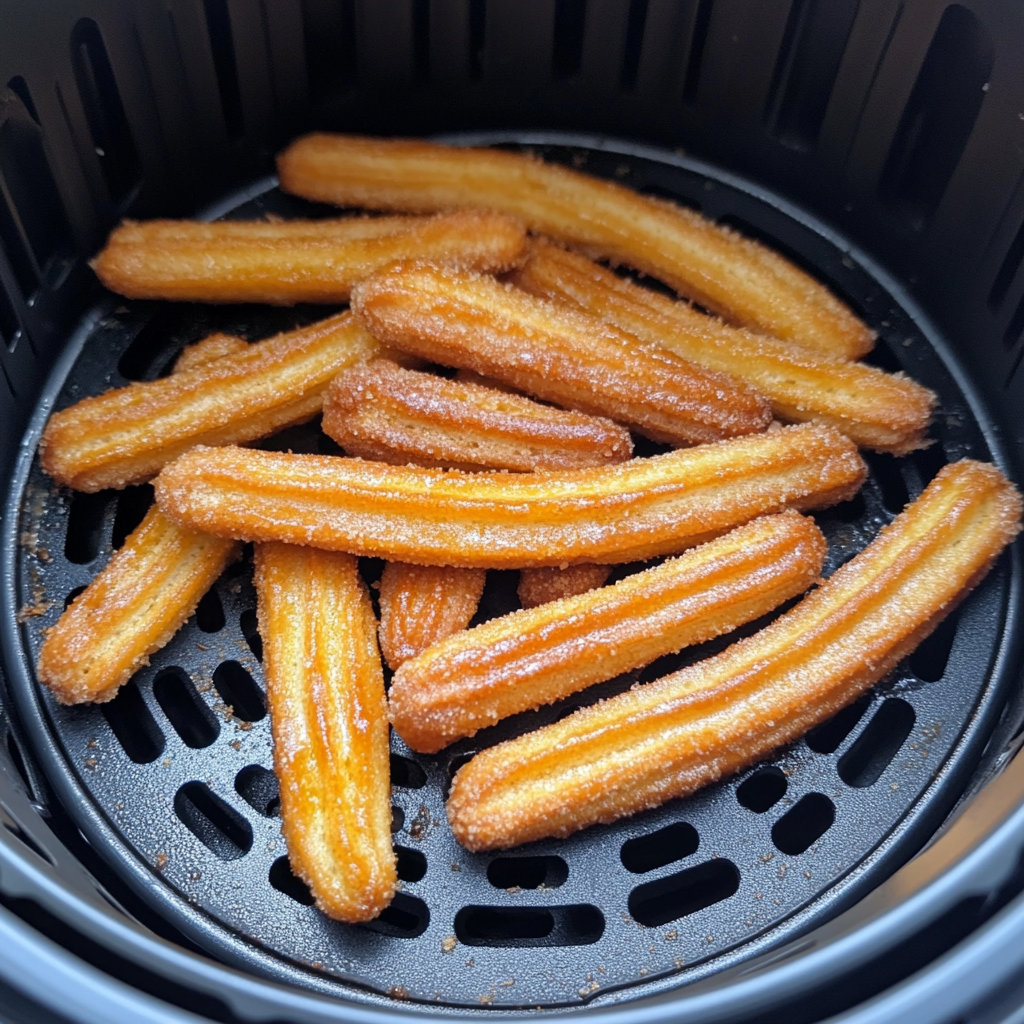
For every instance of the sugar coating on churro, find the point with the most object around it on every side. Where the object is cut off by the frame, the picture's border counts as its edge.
(552, 582)
(207, 349)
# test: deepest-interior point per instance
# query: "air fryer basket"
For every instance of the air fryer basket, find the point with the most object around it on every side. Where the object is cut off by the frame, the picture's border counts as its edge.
(878, 144)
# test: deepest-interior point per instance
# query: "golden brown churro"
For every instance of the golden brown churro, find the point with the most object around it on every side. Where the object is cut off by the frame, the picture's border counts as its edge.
(380, 411)
(150, 586)
(672, 736)
(423, 604)
(551, 583)
(637, 509)
(284, 262)
(125, 436)
(326, 695)
(887, 412)
(734, 276)
(537, 656)
(206, 350)
(555, 353)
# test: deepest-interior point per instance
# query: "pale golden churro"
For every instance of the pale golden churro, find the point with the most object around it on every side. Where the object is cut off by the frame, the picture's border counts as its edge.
(637, 509)
(423, 604)
(380, 411)
(150, 586)
(555, 353)
(537, 656)
(125, 436)
(206, 350)
(284, 262)
(551, 582)
(672, 736)
(738, 278)
(325, 690)
(883, 411)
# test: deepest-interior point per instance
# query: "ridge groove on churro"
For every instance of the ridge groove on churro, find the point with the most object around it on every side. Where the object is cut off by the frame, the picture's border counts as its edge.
(131, 609)
(325, 690)
(284, 262)
(634, 510)
(734, 276)
(887, 412)
(519, 661)
(474, 322)
(670, 737)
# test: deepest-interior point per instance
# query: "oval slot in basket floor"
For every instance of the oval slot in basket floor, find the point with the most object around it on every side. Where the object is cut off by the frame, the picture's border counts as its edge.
(684, 893)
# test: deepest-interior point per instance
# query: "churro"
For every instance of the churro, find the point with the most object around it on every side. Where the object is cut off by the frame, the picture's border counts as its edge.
(137, 602)
(421, 605)
(670, 737)
(555, 353)
(637, 509)
(738, 278)
(551, 582)
(284, 262)
(325, 690)
(532, 657)
(380, 411)
(207, 349)
(125, 436)
(883, 411)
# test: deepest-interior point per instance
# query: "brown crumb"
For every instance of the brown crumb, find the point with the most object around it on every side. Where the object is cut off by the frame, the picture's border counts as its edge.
(245, 726)
(672, 935)
(513, 890)
(160, 861)
(456, 867)
(398, 992)
(448, 944)
(486, 999)
(194, 876)
(471, 962)
(91, 762)
(237, 744)
(202, 647)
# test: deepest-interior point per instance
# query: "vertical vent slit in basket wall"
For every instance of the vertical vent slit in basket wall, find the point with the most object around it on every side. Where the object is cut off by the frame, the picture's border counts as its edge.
(104, 113)
(329, 30)
(10, 326)
(636, 22)
(1007, 270)
(805, 72)
(939, 117)
(222, 48)
(567, 44)
(695, 58)
(1015, 328)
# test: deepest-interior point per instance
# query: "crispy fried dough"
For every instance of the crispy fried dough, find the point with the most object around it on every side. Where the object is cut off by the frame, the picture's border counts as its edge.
(555, 353)
(326, 695)
(125, 436)
(672, 736)
(551, 583)
(284, 262)
(380, 411)
(734, 276)
(537, 656)
(212, 347)
(423, 604)
(637, 509)
(150, 586)
(883, 411)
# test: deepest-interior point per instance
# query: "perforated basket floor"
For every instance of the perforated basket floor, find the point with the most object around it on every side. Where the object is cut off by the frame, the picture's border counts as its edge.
(179, 765)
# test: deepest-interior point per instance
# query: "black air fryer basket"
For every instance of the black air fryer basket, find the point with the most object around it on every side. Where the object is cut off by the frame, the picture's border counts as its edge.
(871, 871)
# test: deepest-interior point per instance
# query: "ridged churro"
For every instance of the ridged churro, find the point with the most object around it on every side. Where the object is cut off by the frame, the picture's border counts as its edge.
(125, 436)
(532, 657)
(137, 602)
(421, 605)
(380, 411)
(551, 583)
(731, 275)
(207, 349)
(670, 737)
(555, 353)
(325, 690)
(883, 411)
(637, 509)
(284, 262)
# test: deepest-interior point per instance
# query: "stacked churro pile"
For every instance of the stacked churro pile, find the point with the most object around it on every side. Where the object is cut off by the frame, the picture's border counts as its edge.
(519, 456)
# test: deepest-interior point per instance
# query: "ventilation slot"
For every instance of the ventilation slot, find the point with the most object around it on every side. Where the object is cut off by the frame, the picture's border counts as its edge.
(845, 512)
(10, 325)
(406, 774)
(1015, 328)
(192, 720)
(827, 737)
(249, 624)
(939, 117)
(283, 879)
(885, 470)
(222, 47)
(1007, 270)
(411, 864)
(477, 38)
(684, 893)
(210, 613)
(636, 21)
(803, 824)
(397, 818)
(406, 918)
(812, 48)
(330, 39)
(527, 872)
(763, 790)
(457, 762)
(695, 59)
(218, 826)
(573, 925)
(19, 87)
(108, 127)
(929, 461)
(72, 594)
(929, 661)
(672, 843)
(85, 526)
(873, 750)
(567, 44)
(239, 691)
(259, 788)
(152, 348)
(132, 505)
(133, 725)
